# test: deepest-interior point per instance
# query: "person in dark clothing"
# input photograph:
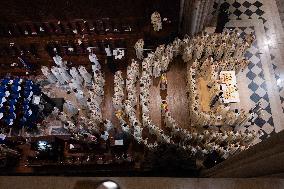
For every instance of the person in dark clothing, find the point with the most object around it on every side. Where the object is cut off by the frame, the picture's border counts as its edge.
(215, 99)
(223, 17)
(110, 62)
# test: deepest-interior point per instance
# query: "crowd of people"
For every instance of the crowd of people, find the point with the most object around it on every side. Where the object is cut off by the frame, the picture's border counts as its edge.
(154, 65)
(88, 90)
(16, 103)
(205, 55)
(227, 49)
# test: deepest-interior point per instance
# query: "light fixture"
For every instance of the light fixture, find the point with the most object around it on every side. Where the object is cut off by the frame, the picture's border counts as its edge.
(108, 184)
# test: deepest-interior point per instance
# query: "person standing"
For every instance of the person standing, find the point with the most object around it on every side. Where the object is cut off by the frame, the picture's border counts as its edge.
(223, 18)
(94, 61)
(110, 62)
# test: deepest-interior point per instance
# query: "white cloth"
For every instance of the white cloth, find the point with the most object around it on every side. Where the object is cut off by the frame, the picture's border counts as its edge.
(70, 107)
(76, 76)
(58, 60)
(108, 51)
(85, 74)
(64, 74)
(46, 72)
(58, 76)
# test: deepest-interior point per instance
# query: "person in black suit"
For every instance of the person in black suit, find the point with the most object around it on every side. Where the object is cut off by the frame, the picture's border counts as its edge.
(110, 62)
(223, 17)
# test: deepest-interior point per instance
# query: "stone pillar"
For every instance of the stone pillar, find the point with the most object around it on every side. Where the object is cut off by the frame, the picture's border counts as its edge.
(195, 15)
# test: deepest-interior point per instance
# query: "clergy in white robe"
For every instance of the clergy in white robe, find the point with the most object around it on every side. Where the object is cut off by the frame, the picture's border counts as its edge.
(58, 61)
(50, 77)
(75, 75)
(58, 76)
(85, 74)
(95, 62)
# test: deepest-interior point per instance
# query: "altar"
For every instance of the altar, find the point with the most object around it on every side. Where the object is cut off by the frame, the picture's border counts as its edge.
(229, 87)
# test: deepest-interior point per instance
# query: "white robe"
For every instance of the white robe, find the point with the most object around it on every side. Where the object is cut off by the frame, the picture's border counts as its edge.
(46, 72)
(64, 74)
(81, 98)
(75, 75)
(96, 65)
(57, 74)
(157, 69)
(58, 61)
(85, 74)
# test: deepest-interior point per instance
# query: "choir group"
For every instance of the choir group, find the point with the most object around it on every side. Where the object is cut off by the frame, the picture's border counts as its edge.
(88, 90)
(16, 103)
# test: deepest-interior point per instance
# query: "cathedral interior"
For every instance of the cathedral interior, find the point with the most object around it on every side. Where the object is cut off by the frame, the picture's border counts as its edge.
(142, 94)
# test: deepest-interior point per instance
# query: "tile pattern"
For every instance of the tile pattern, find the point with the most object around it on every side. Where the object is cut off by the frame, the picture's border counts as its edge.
(275, 57)
(270, 35)
(257, 89)
(278, 73)
(242, 9)
(215, 7)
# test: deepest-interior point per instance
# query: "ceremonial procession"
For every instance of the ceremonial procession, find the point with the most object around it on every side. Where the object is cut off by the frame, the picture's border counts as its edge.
(170, 89)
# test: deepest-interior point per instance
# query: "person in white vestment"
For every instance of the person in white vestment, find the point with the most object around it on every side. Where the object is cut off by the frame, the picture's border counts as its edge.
(156, 20)
(85, 74)
(108, 125)
(58, 76)
(75, 75)
(81, 98)
(64, 74)
(139, 48)
(70, 107)
(50, 77)
(58, 61)
(95, 62)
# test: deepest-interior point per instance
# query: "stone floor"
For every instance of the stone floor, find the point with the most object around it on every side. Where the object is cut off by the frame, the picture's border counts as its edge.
(280, 5)
(263, 79)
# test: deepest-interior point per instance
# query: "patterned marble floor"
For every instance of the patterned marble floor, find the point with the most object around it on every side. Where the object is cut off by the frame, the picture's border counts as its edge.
(263, 80)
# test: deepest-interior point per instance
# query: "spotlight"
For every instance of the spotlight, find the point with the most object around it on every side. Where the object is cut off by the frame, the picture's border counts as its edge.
(108, 184)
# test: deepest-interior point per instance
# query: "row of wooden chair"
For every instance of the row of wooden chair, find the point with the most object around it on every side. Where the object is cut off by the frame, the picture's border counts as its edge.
(99, 27)
(14, 50)
(69, 48)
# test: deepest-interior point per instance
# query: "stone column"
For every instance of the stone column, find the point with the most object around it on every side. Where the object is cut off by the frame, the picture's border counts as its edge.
(195, 15)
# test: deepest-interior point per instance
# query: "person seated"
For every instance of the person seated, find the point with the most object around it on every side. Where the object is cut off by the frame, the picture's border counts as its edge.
(15, 87)
(27, 93)
(15, 96)
(2, 94)
(5, 82)
(36, 89)
(10, 82)
(7, 93)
